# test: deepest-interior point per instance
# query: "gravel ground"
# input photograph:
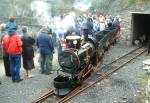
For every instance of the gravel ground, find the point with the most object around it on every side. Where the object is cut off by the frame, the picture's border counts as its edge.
(121, 86)
(27, 90)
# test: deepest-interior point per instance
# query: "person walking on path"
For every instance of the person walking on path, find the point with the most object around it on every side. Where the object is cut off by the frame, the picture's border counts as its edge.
(28, 52)
(12, 44)
(46, 48)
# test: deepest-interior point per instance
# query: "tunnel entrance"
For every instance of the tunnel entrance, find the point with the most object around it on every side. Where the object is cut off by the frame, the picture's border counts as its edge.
(140, 27)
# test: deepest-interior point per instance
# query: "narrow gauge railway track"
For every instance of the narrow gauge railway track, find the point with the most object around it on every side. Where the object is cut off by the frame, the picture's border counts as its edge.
(105, 71)
(44, 96)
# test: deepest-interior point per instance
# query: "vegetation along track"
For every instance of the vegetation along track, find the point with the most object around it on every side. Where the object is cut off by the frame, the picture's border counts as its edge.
(104, 72)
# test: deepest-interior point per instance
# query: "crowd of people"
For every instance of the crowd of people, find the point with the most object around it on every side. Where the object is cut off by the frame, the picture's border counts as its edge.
(92, 22)
(15, 46)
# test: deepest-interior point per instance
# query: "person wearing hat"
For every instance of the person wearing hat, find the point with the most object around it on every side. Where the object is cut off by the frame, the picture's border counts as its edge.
(28, 52)
(46, 49)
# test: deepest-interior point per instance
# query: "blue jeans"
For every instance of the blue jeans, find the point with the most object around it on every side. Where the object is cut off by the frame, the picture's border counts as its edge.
(15, 65)
(46, 63)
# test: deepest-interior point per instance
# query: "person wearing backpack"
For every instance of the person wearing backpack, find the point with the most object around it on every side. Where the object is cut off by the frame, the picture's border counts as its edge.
(12, 44)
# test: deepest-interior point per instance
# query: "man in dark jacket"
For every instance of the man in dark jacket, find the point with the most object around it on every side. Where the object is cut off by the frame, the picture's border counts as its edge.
(46, 48)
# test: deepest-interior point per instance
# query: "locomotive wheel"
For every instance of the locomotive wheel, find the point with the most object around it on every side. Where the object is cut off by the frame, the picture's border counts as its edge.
(101, 56)
(109, 46)
(82, 80)
(114, 42)
(106, 49)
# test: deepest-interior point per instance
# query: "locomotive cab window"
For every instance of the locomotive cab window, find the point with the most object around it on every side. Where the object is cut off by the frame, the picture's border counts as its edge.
(140, 28)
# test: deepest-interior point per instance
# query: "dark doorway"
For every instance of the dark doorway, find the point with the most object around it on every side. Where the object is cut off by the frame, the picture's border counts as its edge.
(140, 27)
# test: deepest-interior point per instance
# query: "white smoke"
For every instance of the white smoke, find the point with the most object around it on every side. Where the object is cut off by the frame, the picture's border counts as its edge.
(41, 10)
(82, 5)
(67, 22)
(43, 16)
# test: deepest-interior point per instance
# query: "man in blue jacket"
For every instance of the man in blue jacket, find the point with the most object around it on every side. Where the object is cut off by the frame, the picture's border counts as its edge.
(46, 48)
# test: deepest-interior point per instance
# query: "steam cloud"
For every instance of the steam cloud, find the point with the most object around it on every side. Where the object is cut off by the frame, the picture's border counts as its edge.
(82, 5)
(42, 12)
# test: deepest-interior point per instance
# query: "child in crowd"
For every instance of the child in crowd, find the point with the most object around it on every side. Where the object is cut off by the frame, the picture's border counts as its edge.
(11, 26)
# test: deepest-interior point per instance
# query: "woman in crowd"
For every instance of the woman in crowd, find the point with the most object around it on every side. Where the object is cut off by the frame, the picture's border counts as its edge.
(28, 52)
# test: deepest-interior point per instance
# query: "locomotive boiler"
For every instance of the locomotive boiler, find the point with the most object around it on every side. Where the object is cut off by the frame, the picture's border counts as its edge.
(77, 64)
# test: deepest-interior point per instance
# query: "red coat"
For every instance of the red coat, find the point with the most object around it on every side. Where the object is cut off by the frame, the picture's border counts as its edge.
(12, 44)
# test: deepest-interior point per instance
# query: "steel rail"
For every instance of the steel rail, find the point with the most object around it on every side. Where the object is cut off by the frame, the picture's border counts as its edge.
(44, 96)
(120, 57)
(124, 55)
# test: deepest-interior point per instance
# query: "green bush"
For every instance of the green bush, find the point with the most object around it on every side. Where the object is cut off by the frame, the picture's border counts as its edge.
(131, 2)
(141, 96)
(143, 81)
